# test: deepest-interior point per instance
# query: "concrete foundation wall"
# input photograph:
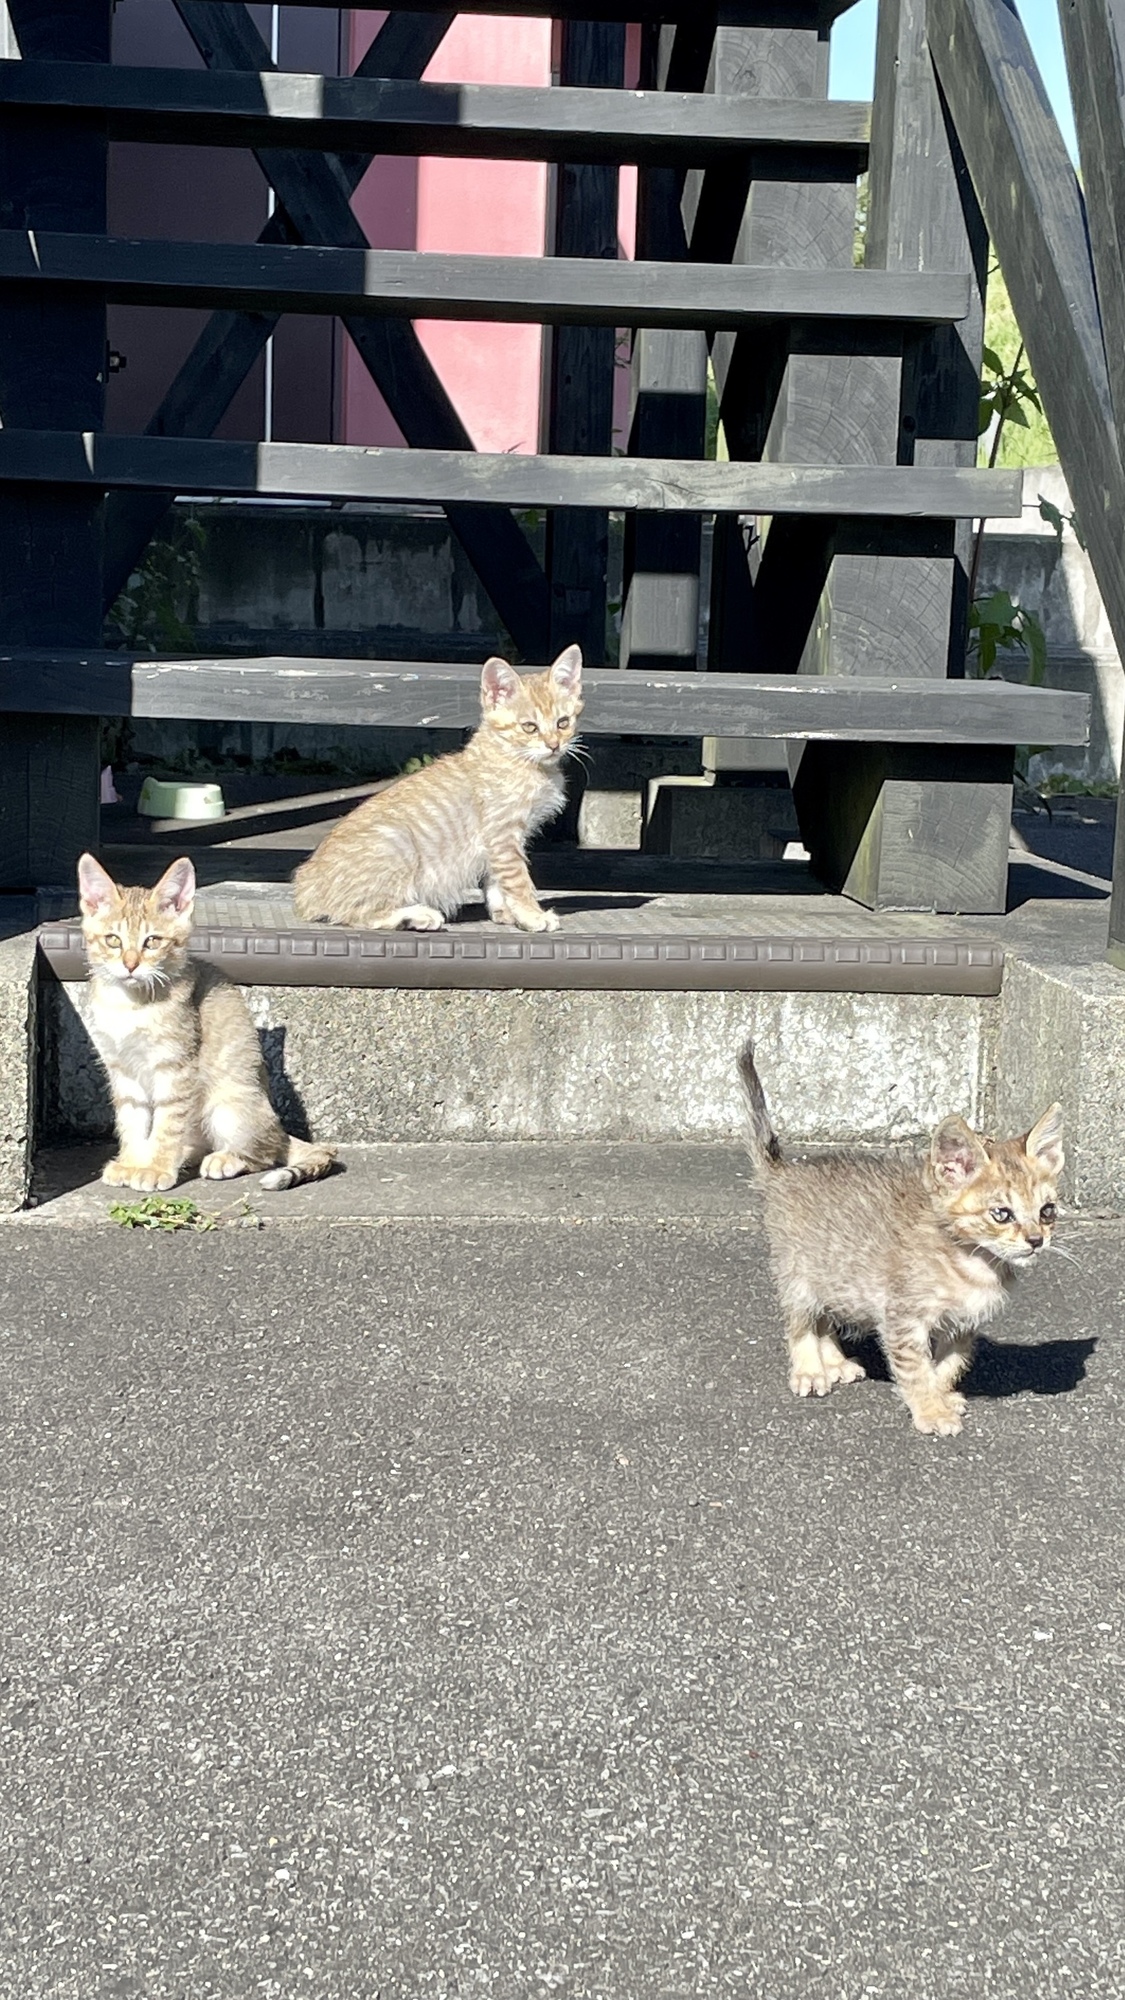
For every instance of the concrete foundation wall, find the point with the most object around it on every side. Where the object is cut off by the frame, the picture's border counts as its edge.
(362, 1066)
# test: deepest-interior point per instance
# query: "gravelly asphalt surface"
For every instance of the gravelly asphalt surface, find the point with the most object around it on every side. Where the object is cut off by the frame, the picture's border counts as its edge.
(447, 1610)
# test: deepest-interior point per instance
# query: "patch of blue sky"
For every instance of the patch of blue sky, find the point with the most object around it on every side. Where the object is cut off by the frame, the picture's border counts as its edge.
(851, 69)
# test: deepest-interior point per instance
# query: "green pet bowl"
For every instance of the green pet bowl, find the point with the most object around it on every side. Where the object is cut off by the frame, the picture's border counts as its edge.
(170, 798)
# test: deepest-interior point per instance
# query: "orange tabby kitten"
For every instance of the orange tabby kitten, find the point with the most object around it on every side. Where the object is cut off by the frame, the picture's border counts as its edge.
(414, 853)
(921, 1250)
(181, 1052)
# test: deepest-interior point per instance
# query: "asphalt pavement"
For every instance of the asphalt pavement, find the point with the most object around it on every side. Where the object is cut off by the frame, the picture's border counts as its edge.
(416, 1608)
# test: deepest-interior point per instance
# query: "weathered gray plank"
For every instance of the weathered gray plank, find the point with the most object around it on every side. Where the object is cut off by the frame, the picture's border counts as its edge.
(620, 10)
(491, 121)
(508, 479)
(668, 381)
(445, 695)
(1036, 216)
(888, 828)
(410, 284)
(1094, 40)
(897, 827)
(52, 371)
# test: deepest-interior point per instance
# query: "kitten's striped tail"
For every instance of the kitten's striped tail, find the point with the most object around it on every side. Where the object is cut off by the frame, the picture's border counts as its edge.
(302, 1163)
(761, 1139)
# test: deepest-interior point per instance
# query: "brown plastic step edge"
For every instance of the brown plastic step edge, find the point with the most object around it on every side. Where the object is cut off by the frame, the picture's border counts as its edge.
(567, 961)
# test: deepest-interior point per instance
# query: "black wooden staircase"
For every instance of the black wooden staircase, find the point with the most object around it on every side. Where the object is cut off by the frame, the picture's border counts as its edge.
(848, 396)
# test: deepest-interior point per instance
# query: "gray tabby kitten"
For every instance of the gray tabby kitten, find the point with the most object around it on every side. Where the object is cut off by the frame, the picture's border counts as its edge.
(181, 1052)
(922, 1251)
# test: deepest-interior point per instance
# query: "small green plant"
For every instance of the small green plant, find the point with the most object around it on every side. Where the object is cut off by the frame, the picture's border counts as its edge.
(1006, 395)
(151, 612)
(998, 624)
(160, 1211)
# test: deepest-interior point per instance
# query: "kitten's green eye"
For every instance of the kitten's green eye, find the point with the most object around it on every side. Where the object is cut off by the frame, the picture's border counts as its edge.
(1001, 1215)
(1047, 1212)
(152, 941)
(562, 722)
(529, 727)
(112, 940)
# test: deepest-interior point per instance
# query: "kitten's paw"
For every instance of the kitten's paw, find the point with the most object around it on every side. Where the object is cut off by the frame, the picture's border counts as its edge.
(817, 1366)
(223, 1167)
(839, 1367)
(810, 1379)
(939, 1416)
(147, 1180)
(420, 917)
(536, 920)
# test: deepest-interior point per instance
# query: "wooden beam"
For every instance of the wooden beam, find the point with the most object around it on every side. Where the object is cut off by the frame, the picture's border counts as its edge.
(270, 108)
(1094, 39)
(733, 11)
(505, 479)
(668, 385)
(1036, 217)
(566, 290)
(580, 357)
(446, 695)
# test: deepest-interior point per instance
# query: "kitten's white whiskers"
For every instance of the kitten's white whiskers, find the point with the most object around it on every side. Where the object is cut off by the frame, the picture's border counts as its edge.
(1066, 1253)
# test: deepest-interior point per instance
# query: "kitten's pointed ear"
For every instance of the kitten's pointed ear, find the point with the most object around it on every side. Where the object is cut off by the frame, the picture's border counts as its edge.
(1044, 1141)
(96, 889)
(956, 1153)
(176, 888)
(566, 671)
(498, 683)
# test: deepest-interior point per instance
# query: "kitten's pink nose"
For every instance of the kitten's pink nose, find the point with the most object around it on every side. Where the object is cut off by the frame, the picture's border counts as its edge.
(130, 960)
(1035, 1243)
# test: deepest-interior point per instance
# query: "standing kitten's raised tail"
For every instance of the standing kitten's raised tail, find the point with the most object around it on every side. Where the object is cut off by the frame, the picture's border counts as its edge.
(761, 1139)
(920, 1250)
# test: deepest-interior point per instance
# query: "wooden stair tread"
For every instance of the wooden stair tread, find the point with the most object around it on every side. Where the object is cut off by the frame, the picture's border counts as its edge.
(414, 284)
(396, 693)
(391, 115)
(506, 479)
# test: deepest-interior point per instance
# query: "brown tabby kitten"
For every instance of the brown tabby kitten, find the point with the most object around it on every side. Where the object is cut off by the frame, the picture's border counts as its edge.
(180, 1050)
(921, 1250)
(414, 853)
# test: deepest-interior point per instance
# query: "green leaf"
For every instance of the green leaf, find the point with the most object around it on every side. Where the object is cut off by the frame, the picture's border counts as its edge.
(1035, 639)
(998, 609)
(992, 360)
(984, 415)
(1051, 513)
(1014, 415)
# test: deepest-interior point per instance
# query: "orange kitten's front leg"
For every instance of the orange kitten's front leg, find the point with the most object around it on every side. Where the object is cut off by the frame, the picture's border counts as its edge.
(511, 895)
(933, 1403)
(150, 1142)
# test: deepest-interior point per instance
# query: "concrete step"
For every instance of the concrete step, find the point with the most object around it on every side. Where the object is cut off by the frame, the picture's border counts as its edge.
(549, 1181)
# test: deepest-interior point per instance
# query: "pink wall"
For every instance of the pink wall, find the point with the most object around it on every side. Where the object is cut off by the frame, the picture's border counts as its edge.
(491, 372)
